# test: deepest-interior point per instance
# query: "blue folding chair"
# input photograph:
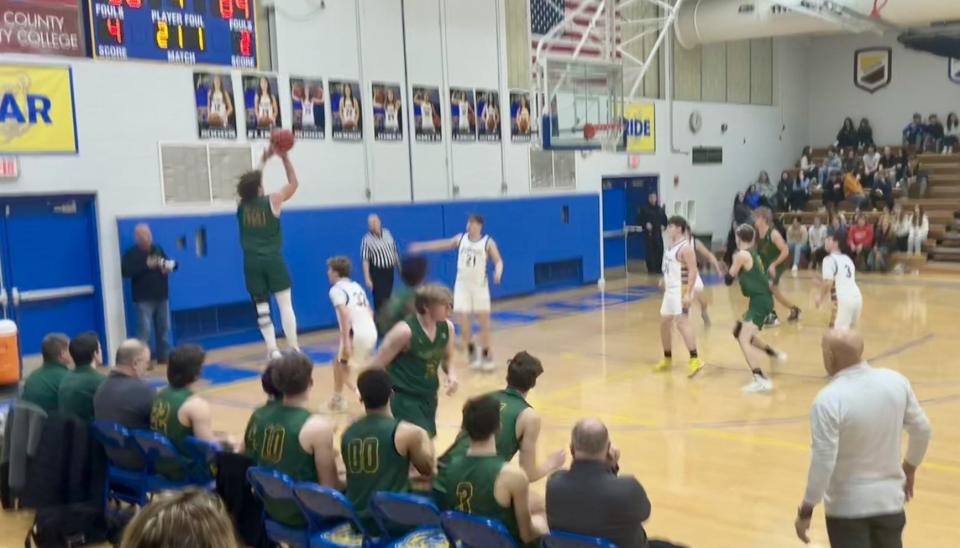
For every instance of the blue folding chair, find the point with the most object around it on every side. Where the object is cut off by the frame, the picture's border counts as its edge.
(156, 447)
(122, 484)
(333, 522)
(475, 532)
(561, 539)
(204, 454)
(416, 516)
(274, 486)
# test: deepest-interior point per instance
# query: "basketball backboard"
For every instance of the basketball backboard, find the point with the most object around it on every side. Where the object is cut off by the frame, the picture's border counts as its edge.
(584, 105)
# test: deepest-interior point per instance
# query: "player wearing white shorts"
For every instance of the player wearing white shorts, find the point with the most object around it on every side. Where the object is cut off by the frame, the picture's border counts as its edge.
(358, 331)
(840, 281)
(471, 292)
(681, 282)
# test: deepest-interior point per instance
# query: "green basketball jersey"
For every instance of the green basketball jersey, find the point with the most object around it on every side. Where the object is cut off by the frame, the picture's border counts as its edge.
(414, 370)
(398, 307)
(754, 282)
(163, 419)
(272, 440)
(768, 251)
(259, 229)
(511, 405)
(466, 485)
(372, 462)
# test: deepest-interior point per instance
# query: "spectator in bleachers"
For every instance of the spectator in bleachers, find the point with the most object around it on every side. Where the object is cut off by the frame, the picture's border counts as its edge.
(881, 191)
(191, 517)
(815, 238)
(753, 198)
(888, 164)
(378, 450)
(125, 399)
(919, 229)
(851, 161)
(901, 227)
(797, 240)
(838, 228)
(288, 437)
(482, 483)
(864, 134)
(904, 168)
(799, 192)
(860, 239)
(884, 241)
(178, 412)
(767, 190)
(43, 385)
(741, 214)
(781, 199)
(807, 164)
(833, 192)
(847, 136)
(833, 163)
(871, 164)
(913, 134)
(77, 388)
(853, 189)
(933, 134)
(951, 133)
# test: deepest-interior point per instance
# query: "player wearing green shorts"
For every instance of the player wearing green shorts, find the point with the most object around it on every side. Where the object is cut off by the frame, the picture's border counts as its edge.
(748, 267)
(414, 351)
(264, 268)
(774, 252)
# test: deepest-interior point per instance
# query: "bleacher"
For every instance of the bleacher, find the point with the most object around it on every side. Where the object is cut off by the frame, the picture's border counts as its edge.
(940, 201)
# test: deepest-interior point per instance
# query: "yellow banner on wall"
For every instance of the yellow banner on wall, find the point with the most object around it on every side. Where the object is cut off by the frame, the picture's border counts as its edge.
(36, 111)
(640, 127)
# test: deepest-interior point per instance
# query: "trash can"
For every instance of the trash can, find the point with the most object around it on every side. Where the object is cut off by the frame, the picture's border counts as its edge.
(9, 353)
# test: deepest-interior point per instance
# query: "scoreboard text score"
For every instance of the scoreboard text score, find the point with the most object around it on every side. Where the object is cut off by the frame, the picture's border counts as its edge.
(209, 32)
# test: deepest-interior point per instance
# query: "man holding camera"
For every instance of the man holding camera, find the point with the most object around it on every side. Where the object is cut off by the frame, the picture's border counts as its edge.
(147, 266)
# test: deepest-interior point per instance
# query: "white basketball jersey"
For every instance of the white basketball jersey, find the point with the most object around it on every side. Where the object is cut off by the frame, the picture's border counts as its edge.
(472, 261)
(464, 118)
(349, 293)
(426, 117)
(307, 118)
(673, 267)
(840, 269)
(390, 116)
(349, 114)
(217, 104)
(265, 107)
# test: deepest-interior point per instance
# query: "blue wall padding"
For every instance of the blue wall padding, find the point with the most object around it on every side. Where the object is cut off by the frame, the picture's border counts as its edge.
(527, 230)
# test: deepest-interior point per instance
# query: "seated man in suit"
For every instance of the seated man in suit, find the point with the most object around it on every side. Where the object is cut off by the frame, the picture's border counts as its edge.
(617, 505)
(482, 483)
(286, 436)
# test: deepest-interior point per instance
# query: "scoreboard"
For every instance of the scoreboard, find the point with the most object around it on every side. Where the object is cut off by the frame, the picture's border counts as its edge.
(209, 32)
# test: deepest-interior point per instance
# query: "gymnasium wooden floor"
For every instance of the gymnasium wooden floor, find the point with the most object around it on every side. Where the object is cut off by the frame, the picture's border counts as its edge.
(722, 469)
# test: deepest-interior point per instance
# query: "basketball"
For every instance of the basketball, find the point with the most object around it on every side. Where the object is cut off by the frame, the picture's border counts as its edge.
(523, 124)
(281, 139)
(491, 123)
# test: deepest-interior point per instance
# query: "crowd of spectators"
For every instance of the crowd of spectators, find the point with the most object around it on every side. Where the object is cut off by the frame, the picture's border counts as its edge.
(932, 135)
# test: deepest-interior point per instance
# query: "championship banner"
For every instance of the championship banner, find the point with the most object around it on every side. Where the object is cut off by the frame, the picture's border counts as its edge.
(640, 128)
(45, 27)
(37, 113)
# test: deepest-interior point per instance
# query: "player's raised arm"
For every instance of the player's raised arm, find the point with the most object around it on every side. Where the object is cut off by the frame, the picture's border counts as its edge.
(293, 183)
(702, 249)
(445, 244)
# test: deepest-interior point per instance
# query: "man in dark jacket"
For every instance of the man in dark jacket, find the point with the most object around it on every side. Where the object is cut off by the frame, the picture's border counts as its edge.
(147, 266)
(653, 219)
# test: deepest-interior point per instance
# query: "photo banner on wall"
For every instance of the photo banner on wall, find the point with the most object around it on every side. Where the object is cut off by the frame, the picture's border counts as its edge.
(262, 104)
(38, 112)
(426, 114)
(520, 116)
(639, 122)
(387, 114)
(216, 112)
(463, 117)
(488, 105)
(345, 110)
(44, 27)
(309, 108)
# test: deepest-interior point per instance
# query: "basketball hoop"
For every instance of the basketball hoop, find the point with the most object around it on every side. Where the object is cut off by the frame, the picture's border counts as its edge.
(610, 133)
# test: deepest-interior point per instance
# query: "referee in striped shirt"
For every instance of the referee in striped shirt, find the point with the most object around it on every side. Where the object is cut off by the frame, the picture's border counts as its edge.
(380, 257)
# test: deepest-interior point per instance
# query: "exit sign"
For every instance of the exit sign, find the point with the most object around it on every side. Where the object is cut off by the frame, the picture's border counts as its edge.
(9, 168)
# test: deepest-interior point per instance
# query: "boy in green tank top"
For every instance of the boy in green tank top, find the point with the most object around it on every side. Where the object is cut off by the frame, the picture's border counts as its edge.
(378, 449)
(413, 352)
(774, 252)
(754, 284)
(482, 483)
(519, 422)
(413, 270)
(178, 412)
(285, 436)
(261, 239)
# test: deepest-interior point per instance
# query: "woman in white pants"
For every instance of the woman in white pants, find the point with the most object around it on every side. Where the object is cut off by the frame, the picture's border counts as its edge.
(919, 228)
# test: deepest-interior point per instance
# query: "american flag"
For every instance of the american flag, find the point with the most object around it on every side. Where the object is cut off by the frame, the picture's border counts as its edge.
(546, 14)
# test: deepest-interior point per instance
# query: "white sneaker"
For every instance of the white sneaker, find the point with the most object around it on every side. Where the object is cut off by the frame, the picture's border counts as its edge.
(759, 384)
(274, 354)
(488, 365)
(337, 404)
(780, 358)
(476, 362)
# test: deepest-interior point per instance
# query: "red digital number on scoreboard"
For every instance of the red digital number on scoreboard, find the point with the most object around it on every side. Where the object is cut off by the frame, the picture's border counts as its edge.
(227, 7)
(115, 29)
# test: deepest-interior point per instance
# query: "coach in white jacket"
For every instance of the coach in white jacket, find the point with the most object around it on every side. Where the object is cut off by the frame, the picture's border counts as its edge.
(855, 466)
